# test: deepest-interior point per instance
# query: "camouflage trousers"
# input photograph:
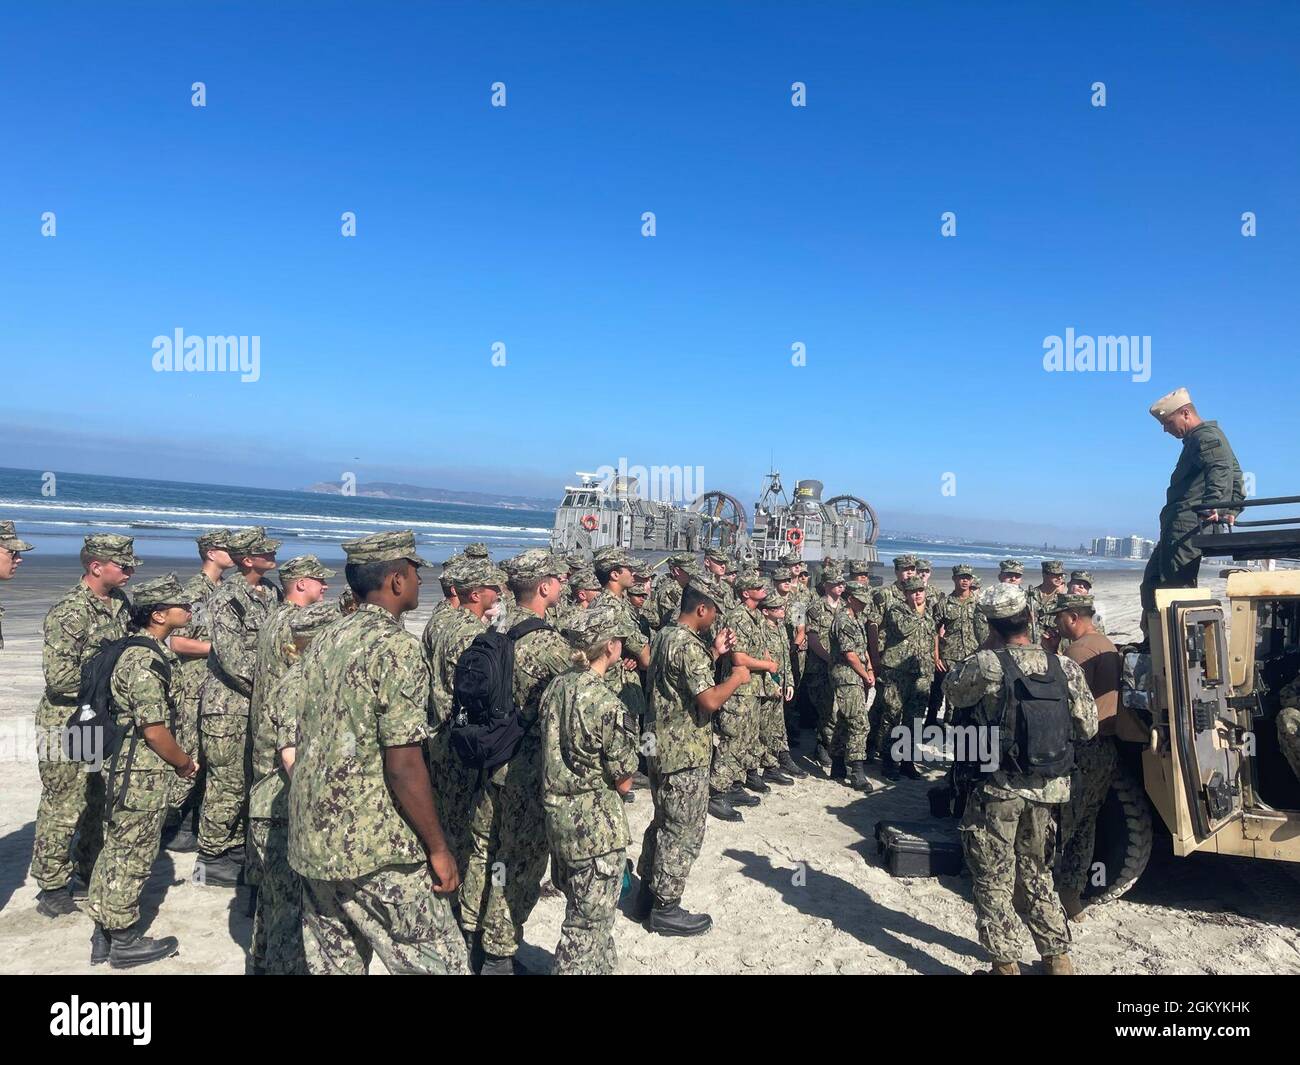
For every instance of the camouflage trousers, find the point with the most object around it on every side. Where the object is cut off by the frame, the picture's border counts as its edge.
(224, 738)
(772, 739)
(901, 699)
(391, 912)
(277, 923)
(1096, 761)
(849, 722)
(821, 696)
(70, 817)
(454, 783)
(591, 888)
(508, 851)
(187, 738)
(1009, 843)
(132, 835)
(736, 752)
(675, 835)
(1288, 736)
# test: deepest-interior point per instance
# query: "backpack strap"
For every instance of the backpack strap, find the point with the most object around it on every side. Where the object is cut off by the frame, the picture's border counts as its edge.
(528, 625)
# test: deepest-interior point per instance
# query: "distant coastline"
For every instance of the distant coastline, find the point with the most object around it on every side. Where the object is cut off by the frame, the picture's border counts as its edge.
(420, 494)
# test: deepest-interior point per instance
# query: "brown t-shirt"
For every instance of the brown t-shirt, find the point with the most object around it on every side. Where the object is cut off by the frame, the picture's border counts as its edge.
(1102, 666)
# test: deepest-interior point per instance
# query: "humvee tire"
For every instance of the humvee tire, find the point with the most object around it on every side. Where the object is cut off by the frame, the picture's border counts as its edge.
(1124, 831)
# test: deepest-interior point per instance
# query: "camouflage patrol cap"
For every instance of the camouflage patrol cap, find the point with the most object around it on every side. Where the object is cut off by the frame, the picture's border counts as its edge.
(384, 547)
(791, 557)
(584, 580)
(1002, 601)
(1011, 565)
(962, 570)
(858, 568)
(9, 538)
(159, 592)
(1053, 568)
(347, 601)
(1066, 601)
(478, 573)
(914, 583)
(304, 566)
(576, 560)
(774, 601)
(923, 566)
(748, 581)
(476, 550)
(214, 538)
(1081, 576)
(716, 554)
(905, 562)
(611, 558)
(310, 618)
(860, 590)
(111, 547)
(597, 624)
(251, 541)
(975, 581)
(701, 585)
(681, 559)
(782, 573)
(829, 575)
(640, 590)
(534, 564)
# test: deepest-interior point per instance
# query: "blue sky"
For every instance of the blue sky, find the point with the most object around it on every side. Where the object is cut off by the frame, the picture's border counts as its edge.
(775, 225)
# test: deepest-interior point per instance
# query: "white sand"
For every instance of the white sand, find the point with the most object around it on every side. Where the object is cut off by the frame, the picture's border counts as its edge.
(796, 888)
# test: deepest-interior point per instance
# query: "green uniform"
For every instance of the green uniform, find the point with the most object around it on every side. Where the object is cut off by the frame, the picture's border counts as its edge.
(737, 722)
(190, 670)
(848, 735)
(771, 702)
(907, 670)
(817, 678)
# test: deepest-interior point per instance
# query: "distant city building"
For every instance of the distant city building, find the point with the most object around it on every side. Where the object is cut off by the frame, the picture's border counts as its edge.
(1122, 547)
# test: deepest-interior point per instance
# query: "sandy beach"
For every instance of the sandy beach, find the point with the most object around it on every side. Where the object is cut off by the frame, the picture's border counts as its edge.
(796, 888)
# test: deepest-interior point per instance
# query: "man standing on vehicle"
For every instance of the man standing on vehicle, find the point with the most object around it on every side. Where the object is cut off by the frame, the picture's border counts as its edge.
(1207, 472)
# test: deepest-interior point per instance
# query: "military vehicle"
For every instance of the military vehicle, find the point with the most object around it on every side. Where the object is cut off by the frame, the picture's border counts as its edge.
(602, 511)
(843, 527)
(1207, 698)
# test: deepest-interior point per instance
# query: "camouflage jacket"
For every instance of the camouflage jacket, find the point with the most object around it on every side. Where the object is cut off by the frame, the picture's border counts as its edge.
(778, 649)
(680, 668)
(589, 742)
(1040, 621)
(884, 598)
(848, 633)
(618, 676)
(144, 698)
(977, 684)
(193, 668)
(820, 617)
(76, 627)
(365, 687)
(751, 640)
(540, 657)
(269, 795)
(964, 628)
(444, 643)
(275, 655)
(909, 643)
(665, 603)
(236, 613)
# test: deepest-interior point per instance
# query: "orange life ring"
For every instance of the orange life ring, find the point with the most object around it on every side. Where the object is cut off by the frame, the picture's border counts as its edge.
(589, 522)
(795, 536)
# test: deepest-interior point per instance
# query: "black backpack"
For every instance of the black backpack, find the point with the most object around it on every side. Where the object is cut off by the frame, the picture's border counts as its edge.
(485, 728)
(1036, 734)
(96, 712)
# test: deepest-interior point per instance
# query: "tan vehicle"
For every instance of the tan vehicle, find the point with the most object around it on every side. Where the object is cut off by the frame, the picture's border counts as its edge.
(1207, 696)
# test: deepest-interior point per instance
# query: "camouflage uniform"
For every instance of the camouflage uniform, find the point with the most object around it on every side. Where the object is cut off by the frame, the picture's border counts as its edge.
(624, 682)
(190, 671)
(665, 603)
(737, 722)
(1007, 831)
(1095, 763)
(367, 885)
(236, 612)
(680, 669)
(771, 702)
(10, 542)
(1288, 725)
(72, 800)
(907, 670)
(133, 823)
(589, 741)
(848, 732)
(965, 628)
(508, 853)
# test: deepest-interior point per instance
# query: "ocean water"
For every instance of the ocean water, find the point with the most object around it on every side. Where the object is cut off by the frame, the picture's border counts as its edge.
(166, 516)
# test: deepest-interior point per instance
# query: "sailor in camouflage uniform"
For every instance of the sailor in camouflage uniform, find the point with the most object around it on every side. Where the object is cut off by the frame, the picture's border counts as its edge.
(143, 686)
(236, 612)
(477, 586)
(1041, 597)
(666, 601)
(191, 644)
(94, 613)
(1008, 830)
(777, 689)
(589, 745)
(1080, 583)
(852, 675)
(817, 680)
(583, 590)
(616, 571)
(933, 596)
(683, 700)
(961, 626)
(908, 664)
(508, 827)
(363, 823)
(11, 557)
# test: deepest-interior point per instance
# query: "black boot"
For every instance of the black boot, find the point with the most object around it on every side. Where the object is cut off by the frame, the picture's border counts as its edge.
(754, 782)
(643, 903)
(669, 919)
(180, 839)
(889, 767)
(498, 965)
(217, 872)
(790, 766)
(738, 796)
(911, 772)
(57, 903)
(474, 948)
(858, 777)
(100, 945)
(251, 912)
(129, 948)
(823, 757)
(838, 769)
(773, 775)
(721, 808)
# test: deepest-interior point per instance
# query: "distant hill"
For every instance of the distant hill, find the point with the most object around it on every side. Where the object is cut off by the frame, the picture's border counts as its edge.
(389, 490)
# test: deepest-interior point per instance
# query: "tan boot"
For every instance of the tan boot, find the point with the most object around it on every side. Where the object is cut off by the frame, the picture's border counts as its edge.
(1058, 965)
(1006, 968)
(1073, 905)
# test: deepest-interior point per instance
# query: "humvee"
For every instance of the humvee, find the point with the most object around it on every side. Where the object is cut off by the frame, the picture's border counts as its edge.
(1211, 769)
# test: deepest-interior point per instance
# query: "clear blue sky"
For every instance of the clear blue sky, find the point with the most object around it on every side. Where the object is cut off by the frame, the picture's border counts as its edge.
(776, 224)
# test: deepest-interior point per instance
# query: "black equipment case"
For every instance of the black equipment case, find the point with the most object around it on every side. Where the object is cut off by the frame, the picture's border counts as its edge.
(919, 848)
